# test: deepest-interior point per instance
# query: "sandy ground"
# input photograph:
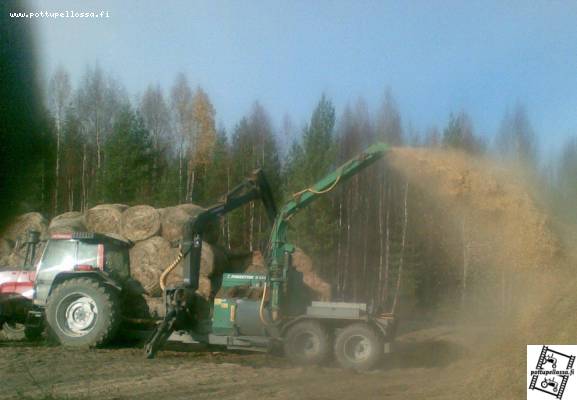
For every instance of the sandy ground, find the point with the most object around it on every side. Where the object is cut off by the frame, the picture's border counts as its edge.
(424, 362)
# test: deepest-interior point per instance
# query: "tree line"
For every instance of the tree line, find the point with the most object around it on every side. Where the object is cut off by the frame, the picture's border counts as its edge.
(164, 148)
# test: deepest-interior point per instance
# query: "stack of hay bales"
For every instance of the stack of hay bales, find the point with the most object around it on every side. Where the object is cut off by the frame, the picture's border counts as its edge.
(72, 221)
(155, 234)
(105, 218)
(13, 248)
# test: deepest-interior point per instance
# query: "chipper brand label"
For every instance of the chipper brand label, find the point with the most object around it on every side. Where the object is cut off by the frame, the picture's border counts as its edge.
(550, 372)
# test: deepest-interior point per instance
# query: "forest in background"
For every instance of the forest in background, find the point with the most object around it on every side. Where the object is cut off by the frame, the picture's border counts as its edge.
(164, 148)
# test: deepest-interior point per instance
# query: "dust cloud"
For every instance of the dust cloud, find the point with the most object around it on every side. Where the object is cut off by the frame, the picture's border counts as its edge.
(532, 298)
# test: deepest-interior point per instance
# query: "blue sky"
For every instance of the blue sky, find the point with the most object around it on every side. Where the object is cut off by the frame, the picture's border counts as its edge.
(436, 56)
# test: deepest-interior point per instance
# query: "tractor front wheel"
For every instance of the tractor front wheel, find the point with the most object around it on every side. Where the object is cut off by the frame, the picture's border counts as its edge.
(307, 342)
(83, 312)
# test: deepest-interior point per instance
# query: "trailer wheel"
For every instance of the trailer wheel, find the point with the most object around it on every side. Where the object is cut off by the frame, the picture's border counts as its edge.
(83, 312)
(359, 347)
(307, 343)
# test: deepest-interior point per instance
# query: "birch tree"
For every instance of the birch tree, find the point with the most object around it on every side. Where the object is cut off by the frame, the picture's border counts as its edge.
(59, 94)
(181, 99)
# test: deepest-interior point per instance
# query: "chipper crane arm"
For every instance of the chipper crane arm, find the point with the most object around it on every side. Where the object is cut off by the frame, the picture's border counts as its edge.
(278, 247)
(179, 299)
(252, 188)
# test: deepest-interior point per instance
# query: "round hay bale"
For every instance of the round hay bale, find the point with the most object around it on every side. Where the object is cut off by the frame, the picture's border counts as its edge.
(104, 218)
(302, 261)
(204, 287)
(6, 246)
(173, 220)
(67, 223)
(256, 263)
(211, 232)
(13, 260)
(191, 209)
(140, 223)
(19, 228)
(208, 265)
(148, 259)
(320, 288)
(156, 307)
(68, 216)
(121, 207)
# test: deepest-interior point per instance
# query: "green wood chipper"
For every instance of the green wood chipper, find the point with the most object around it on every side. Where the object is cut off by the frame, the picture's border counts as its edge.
(264, 311)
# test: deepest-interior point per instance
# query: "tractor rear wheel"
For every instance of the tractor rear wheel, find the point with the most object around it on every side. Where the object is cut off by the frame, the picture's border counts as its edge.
(359, 346)
(83, 312)
(307, 342)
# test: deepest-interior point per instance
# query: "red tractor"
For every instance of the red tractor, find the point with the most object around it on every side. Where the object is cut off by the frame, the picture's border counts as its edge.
(16, 296)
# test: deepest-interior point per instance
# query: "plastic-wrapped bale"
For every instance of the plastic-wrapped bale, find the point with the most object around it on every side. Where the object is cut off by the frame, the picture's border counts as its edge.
(140, 223)
(19, 228)
(105, 218)
(72, 221)
(148, 259)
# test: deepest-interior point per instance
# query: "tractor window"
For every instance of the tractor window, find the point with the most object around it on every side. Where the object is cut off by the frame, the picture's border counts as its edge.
(59, 255)
(116, 261)
(87, 254)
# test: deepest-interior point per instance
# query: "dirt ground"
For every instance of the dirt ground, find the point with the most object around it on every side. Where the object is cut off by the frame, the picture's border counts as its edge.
(424, 361)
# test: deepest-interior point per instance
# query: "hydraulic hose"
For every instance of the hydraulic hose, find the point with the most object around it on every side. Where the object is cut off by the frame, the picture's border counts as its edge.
(261, 307)
(169, 269)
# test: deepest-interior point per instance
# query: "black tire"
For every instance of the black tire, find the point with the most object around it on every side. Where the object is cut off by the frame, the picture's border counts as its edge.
(307, 343)
(83, 312)
(12, 332)
(359, 346)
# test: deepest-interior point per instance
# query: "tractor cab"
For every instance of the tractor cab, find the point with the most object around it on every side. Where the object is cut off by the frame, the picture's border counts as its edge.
(78, 285)
(102, 257)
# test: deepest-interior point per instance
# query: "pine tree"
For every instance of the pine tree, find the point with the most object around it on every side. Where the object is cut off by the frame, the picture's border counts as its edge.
(254, 146)
(128, 161)
(459, 134)
(306, 164)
